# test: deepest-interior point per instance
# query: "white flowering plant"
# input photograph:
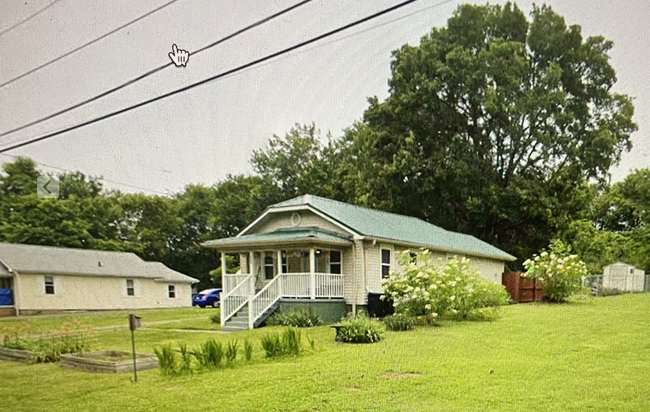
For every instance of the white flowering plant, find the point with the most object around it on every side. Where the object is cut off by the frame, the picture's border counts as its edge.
(424, 287)
(557, 271)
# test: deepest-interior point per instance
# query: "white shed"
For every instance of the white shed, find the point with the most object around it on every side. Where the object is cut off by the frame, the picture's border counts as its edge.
(622, 276)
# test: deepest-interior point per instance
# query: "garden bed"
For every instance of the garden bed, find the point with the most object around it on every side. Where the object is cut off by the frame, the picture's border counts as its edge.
(108, 362)
(16, 355)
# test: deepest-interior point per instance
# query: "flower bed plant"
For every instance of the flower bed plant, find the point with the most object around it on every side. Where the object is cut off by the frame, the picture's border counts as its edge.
(429, 289)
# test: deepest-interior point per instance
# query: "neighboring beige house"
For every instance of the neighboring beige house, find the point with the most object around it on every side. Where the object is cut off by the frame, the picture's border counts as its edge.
(330, 255)
(44, 278)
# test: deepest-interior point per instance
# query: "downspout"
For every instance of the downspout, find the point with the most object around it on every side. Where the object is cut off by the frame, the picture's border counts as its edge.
(16, 293)
(354, 282)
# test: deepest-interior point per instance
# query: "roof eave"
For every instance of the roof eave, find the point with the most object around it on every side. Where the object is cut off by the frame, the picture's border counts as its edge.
(277, 243)
(509, 257)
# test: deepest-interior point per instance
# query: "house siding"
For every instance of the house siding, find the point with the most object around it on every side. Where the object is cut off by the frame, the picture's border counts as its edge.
(282, 220)
(98, 293)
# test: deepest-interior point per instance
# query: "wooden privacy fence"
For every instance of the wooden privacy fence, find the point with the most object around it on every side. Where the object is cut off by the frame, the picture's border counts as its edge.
(522, 289)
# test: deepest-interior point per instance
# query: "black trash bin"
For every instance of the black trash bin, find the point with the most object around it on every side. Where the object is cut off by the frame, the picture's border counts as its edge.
(378, 308)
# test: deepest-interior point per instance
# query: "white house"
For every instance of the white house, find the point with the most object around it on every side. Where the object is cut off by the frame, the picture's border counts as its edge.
(330, 254)
(622, 276)
(44, 278)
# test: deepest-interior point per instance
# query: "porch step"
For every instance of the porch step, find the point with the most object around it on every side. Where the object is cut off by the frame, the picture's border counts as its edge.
(240, 320)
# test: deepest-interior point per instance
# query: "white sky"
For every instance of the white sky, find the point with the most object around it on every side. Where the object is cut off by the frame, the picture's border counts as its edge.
(202, 135)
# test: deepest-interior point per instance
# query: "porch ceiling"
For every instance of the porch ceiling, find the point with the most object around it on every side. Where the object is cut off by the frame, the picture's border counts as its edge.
(281, 237)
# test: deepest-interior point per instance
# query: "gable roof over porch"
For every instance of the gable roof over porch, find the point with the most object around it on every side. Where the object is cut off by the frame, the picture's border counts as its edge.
(284, 237)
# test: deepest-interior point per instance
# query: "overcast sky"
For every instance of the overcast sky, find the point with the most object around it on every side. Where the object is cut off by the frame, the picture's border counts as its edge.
(202, 135)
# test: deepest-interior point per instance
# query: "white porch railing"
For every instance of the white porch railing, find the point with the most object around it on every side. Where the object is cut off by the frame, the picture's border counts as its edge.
(234, 300)
(263, 300)
(299, 285)
(329, 285)
(231, 281)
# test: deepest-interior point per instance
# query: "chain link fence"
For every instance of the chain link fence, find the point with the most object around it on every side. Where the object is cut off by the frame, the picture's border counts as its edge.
(622, 283)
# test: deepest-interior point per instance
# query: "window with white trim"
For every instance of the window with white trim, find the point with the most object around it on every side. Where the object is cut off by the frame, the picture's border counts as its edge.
(49, 285)
(385, 263)
(335, 262)
(171, 291)
(130, 290)
(269, 266)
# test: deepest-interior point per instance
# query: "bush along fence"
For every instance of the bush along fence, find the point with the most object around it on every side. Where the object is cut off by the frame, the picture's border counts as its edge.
(21, 343)
(598, 285)
(213, 355)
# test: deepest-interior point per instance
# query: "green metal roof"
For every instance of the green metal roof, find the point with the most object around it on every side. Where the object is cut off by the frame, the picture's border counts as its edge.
(299, 235)
(376, 223)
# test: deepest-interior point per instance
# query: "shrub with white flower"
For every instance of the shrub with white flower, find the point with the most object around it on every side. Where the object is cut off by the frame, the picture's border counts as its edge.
(432, 288)
(557, 271)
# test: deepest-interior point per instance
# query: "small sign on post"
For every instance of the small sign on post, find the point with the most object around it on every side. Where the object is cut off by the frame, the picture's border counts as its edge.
(134, 322)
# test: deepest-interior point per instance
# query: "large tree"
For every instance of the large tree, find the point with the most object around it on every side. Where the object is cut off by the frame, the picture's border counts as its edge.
(493, 126)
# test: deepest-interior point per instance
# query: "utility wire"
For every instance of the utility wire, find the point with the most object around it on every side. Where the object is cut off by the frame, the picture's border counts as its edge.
(28, 18)
(98, 178)
(83, 46)
(153, 71)
(213, 78)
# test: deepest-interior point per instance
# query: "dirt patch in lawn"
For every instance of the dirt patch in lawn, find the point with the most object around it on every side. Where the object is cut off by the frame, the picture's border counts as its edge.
(401, 375)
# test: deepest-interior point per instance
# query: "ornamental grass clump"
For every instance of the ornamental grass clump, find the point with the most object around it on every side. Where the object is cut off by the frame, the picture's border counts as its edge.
(298, 317)
(430, 289)
(399, 322)
(557, 271)
(360, 329)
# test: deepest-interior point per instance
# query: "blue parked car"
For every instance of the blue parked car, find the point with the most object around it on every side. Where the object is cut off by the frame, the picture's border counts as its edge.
(208, 297)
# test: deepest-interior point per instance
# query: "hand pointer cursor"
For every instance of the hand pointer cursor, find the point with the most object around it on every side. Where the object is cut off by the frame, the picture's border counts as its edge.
(178, 56)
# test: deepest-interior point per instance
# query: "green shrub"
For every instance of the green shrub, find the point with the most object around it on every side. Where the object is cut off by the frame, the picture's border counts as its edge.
(360, 329)
(431, 289)
(559, 273)
(487, 314)
(289, 343)
(167, 359)
(231, 351)
(210, 354)
(216, 318)
(248, 349)
(296, 317)
(399, 321)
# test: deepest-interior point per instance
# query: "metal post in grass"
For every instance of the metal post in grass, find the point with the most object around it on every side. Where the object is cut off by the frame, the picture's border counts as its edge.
(134, 322)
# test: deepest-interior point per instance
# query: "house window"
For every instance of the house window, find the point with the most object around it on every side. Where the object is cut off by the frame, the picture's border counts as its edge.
(335, 262)
(49, 285)
(130, 291)
(284, 262)
(385, 263)
(269, 268)
(171, 291)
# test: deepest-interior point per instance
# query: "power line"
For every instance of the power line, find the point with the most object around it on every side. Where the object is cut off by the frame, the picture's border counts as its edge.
(98, 178)
(153, 71)
(28, 18)
(356, 33)
(83, 46)
(213, 78)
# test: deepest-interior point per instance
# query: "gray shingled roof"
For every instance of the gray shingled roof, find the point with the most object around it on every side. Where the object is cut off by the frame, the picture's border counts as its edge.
(281, 235)
(66, 261)
(375, 223)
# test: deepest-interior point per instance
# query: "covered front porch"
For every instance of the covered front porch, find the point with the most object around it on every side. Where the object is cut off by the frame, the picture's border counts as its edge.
(290, 265)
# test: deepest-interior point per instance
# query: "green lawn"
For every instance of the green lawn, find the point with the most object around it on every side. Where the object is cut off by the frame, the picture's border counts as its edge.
(106, 319)
(590, 355)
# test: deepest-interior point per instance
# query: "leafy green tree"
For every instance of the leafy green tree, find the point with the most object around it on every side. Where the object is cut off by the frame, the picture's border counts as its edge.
(493, 126)
(300, 163)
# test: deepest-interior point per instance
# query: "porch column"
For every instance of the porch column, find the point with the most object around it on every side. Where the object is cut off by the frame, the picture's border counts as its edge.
(225, 287)
(278, 253)
(251, 256)
(312, 273)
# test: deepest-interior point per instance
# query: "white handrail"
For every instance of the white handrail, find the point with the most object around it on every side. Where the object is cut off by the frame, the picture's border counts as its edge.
(263, 300)
(234, 300)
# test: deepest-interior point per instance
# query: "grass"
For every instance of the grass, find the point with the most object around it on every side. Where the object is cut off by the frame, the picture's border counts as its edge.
(589, 355)
(106, 319)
